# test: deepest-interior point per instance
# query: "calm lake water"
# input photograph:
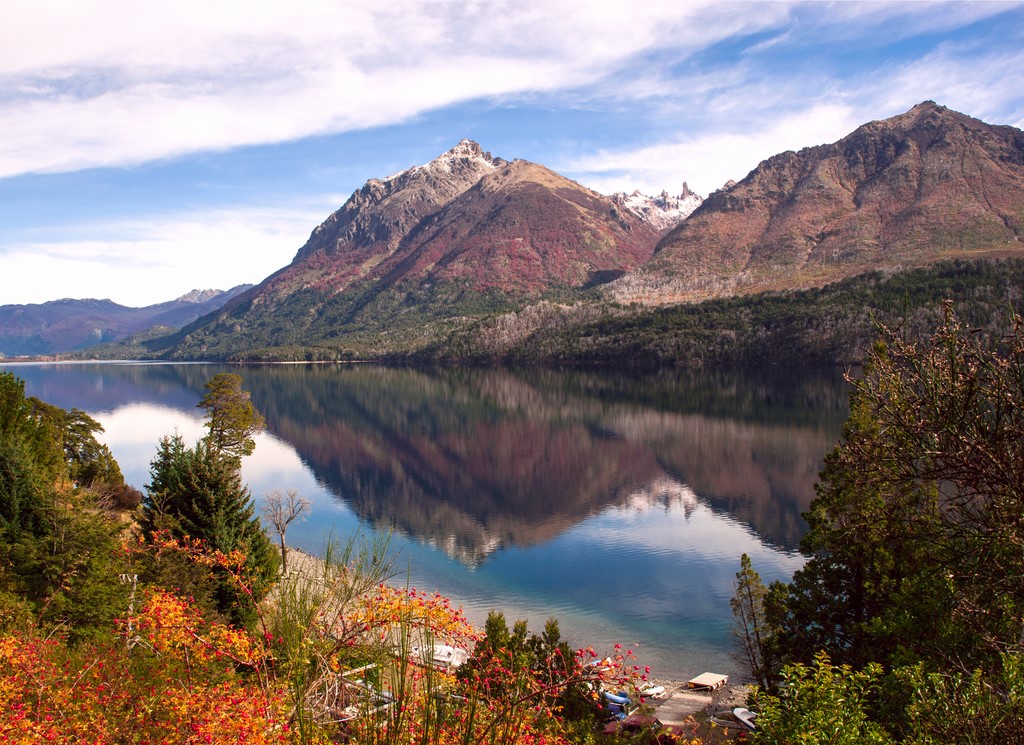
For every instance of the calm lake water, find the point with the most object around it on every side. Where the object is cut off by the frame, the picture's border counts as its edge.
(618, 503)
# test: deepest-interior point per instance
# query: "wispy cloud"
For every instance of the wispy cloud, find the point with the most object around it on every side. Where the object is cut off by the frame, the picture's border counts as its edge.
(988, 84)
(623, 96)
(721, 121)
(114, 82)
(79, 89)
(151, 261)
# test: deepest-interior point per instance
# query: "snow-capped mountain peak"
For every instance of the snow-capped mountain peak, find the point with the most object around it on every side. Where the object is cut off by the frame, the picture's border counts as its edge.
(663, 211)
(467, 154)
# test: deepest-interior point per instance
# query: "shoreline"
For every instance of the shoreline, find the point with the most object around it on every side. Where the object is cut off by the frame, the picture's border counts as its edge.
(727, 697)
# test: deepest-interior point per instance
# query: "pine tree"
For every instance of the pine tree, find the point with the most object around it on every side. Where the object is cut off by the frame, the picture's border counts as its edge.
(198, 492)
(30, 458)
(750, 629)
(231, 416)
(57, 547)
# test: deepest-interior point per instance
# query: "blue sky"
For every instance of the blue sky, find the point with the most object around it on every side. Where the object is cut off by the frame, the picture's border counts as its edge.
(147, 148)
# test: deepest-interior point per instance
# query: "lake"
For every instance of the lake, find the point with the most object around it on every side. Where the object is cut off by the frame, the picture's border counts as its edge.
(619, 503)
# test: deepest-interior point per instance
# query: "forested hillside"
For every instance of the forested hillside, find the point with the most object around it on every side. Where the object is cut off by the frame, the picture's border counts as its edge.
(831, 325)
(472, 258)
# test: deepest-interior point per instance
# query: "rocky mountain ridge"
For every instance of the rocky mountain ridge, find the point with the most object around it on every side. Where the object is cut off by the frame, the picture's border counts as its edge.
(466, 233)
(378, 215)
(472, 255)
(924, 186)
(663, 211)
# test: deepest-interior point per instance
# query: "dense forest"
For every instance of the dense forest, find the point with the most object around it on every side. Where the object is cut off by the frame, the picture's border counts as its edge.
(832, 325)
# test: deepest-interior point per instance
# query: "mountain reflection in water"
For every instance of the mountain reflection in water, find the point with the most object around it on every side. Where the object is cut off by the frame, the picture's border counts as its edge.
(476, 460)
(530, 479)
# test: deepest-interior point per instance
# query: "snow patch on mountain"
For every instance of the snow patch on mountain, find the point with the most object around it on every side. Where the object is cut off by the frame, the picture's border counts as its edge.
(199, 296)
(663, 211)
(466, 153)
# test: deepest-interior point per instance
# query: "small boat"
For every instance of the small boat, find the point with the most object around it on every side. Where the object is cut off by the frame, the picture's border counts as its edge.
(618, 704)
(738, 718)
(442, 656)
(745, 717)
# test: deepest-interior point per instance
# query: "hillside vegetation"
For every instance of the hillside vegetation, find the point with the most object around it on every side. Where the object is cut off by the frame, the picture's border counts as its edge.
(905, 624)
(827, 326)
(474, 258)
(831, 325)
(168, 622)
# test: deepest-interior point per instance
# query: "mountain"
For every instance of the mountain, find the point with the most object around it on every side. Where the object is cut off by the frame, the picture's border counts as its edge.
(378, 216)
(663, 212)
(475, 257)
(69, 325)
(927, 185)
(464, 235)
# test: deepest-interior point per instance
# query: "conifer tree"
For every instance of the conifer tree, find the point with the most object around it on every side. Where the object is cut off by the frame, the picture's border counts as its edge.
(57, 548)
(30, 457)
(198, 492)
(916, 536)
(231, 417)
(751, 630)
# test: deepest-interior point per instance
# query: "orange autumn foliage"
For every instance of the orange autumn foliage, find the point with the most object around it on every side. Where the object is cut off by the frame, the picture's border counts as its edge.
(171, 677)
(429, 613)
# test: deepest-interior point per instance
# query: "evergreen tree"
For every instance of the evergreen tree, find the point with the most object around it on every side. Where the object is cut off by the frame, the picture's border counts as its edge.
(58, 546)
(231, 416)
(198, 492)
(69, 570)
(917, 533)
(31, 460)
(753, 634)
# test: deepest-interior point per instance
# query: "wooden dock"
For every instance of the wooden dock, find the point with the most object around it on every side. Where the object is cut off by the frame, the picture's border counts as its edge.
(708, 682)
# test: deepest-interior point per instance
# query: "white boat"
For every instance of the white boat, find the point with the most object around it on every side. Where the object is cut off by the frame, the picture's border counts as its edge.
(745, 717)
(442, 655)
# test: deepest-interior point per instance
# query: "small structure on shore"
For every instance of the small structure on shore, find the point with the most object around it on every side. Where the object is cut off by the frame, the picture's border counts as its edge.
(708, 681)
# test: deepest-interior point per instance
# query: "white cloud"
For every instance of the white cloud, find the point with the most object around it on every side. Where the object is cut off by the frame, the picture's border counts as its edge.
(80, 89)
(707, 161)
(717, 87)
(985, 84)
(738, 114)
(118, 82)
(872, 22)
(142, 262)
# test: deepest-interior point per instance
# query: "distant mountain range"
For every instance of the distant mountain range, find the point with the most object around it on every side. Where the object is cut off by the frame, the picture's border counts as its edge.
(474, 256)
(663, 211)
(67, 325)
